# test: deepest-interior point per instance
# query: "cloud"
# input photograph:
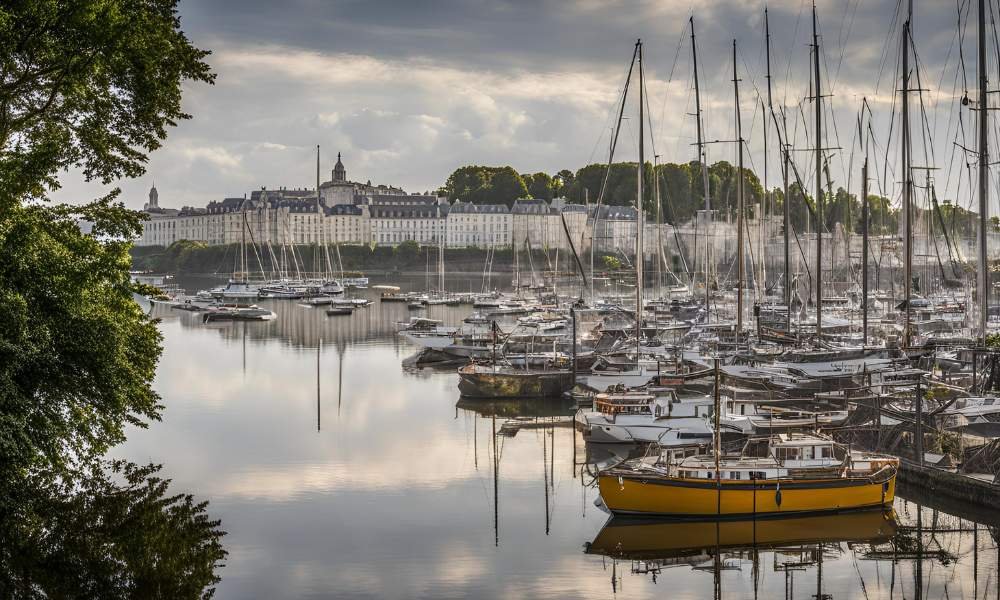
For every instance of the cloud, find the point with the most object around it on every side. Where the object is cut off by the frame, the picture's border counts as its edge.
(408, 93)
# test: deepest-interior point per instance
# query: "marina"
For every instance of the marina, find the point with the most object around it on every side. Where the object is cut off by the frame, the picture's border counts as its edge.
(513, 505)
(748, 347)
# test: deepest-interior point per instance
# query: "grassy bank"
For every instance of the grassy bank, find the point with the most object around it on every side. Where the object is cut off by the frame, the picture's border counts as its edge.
(184, 257)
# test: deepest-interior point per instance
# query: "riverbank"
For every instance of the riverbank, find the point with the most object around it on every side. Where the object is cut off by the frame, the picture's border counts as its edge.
(197, 258)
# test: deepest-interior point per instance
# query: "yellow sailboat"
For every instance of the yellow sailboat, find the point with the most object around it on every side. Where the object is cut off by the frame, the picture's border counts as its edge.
(784, 474)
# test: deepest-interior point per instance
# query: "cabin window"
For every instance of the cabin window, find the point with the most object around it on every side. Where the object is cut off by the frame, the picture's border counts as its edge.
(786, 453)
(743, 408)
(708, 474)
(758, 475)
(826, 452)
(735, 475)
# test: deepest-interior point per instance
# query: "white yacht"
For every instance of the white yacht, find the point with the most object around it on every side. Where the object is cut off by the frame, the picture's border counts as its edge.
(624, 417)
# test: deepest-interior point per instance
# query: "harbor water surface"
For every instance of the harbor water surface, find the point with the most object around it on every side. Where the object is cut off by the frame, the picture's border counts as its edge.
(339, 472)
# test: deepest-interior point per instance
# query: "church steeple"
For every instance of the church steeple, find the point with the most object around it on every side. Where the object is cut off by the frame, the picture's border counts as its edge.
(154, 199)
(339, 172)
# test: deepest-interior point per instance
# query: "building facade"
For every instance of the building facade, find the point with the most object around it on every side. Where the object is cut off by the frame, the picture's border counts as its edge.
(347, 212)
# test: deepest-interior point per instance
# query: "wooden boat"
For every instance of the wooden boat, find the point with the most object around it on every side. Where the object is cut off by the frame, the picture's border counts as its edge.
(784, 474)
(236, 313)
(501, 381)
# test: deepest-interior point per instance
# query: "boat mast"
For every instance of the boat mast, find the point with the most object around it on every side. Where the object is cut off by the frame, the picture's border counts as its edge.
(639, 254)
(907, 209)
(865, 209)
(786, 210)
(704, 171)
(660, 258)
(819, 181)
(739, 205)
(984, 192)
(441, 260)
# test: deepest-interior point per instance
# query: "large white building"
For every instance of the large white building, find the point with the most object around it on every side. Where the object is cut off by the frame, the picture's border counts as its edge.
(347, 212)
(478, 225)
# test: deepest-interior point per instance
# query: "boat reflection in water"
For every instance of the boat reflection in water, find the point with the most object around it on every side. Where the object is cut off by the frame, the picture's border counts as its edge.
(667, 541)
(717, 546)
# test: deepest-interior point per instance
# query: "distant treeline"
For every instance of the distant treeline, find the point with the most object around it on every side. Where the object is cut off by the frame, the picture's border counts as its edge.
(682, 194)
(187, 257)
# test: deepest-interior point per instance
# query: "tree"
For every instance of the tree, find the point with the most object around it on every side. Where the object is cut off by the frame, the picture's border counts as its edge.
(506, 187)
(115, 533)
(90, 84)
(539, 185)
(485, 185)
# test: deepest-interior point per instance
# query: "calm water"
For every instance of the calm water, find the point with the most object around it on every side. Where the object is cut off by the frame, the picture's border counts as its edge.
(384, 486)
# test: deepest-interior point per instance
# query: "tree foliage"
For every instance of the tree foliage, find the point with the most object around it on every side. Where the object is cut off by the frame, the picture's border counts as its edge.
(88, 83)
(485, 185)
(115, 533)
(91, 85)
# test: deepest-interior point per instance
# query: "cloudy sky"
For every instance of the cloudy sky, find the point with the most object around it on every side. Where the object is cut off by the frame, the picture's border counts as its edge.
(409, 90)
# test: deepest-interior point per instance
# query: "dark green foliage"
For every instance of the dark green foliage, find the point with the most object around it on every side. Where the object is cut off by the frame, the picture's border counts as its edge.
(76, 353)
(88, 83)
(485, 185)
(218, 260)
(91, 85)
(540, 186)
(115, 533)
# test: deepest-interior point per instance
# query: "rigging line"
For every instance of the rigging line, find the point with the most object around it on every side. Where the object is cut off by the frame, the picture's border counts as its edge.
(888, 46)
(670, 78)
(843, 43)
(925, 130)
(944, 71)
(788, 64)
(956, 125)
(608, 122)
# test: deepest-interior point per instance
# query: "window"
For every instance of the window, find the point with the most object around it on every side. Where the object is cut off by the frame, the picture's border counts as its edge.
(735, 475)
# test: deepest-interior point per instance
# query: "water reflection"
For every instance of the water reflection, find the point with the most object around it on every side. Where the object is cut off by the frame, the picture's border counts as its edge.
(117, 531)
(912, 551)
(337, 471)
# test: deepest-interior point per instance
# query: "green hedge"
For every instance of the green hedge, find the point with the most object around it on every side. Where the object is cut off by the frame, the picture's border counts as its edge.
(187, 257)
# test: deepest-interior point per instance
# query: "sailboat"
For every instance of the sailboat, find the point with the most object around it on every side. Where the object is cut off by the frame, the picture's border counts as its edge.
(239, 286)
(783, 474)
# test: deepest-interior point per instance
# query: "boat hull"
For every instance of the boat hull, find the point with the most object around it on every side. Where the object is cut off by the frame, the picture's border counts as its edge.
(674, 497)
(508, 385)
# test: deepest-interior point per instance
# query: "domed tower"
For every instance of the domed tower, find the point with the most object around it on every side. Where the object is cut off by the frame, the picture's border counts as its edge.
(339, 172)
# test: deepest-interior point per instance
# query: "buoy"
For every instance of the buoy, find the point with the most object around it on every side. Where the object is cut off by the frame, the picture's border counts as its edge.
(777, 496)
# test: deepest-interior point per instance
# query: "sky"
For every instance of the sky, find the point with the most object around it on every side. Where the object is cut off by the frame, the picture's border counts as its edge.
(409, 90)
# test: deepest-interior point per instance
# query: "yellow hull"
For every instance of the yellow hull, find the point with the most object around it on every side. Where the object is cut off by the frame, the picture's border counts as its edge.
(668, 539)
(660, 496)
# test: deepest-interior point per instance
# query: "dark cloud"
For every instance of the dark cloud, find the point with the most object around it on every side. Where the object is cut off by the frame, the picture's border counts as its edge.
(410, 90)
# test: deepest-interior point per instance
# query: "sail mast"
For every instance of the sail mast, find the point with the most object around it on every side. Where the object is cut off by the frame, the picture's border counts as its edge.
(907, 200)
(739, 206)
(639, 254)
(865, 212)
(819, 181)
(704, 172)
(984, 152)
(864, 250)
(786, 204)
